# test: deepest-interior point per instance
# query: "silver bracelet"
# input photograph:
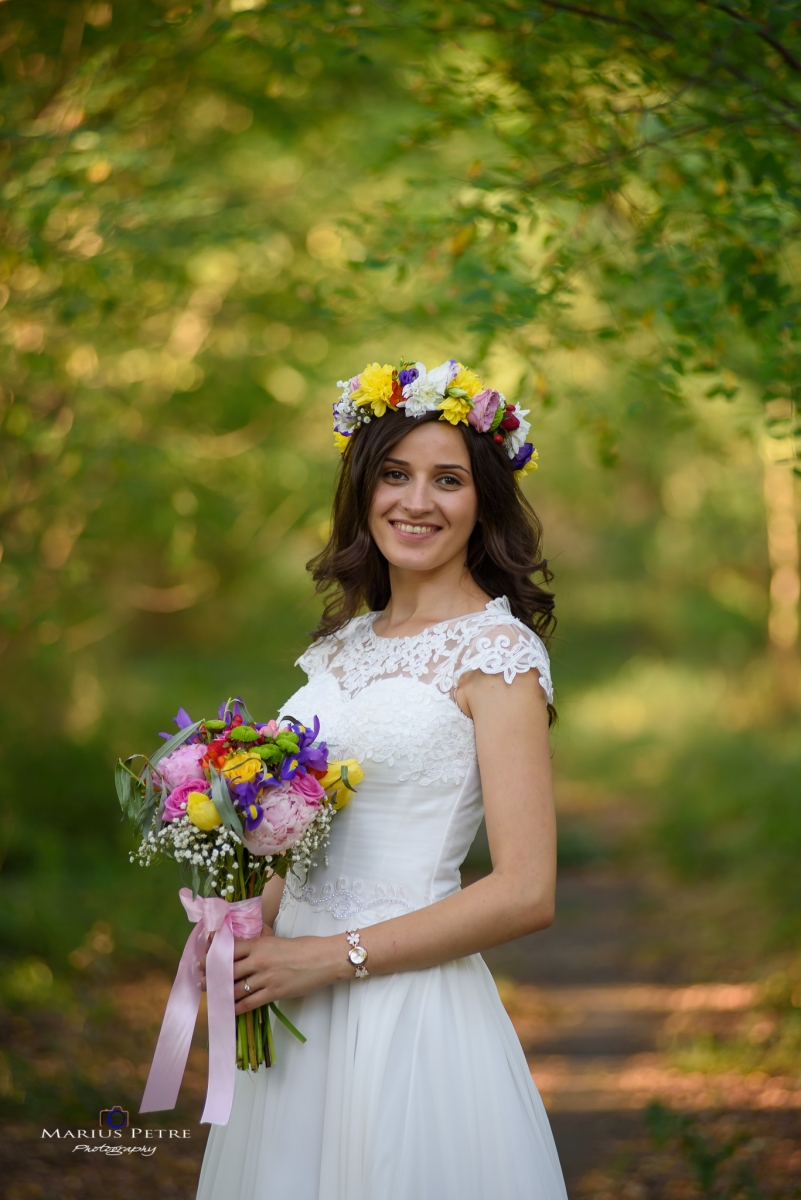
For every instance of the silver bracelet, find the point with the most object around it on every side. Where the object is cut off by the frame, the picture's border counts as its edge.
(357, 954)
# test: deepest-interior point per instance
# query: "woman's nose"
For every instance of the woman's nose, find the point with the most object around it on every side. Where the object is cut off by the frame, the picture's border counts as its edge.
(417, 500)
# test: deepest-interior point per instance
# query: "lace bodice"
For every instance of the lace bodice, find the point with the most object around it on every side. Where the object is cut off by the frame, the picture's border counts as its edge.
(492, 641)
(390, 703)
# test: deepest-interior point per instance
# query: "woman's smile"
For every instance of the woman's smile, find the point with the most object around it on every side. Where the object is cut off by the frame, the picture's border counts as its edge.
(408, 530)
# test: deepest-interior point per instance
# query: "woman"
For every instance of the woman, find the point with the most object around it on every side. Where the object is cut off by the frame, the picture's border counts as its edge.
(412, 1084)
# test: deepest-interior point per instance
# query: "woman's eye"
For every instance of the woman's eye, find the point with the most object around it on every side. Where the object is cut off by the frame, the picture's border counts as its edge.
(394, 476)
(449, 480)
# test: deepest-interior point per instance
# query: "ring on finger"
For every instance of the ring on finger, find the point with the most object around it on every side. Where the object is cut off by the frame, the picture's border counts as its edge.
(247, 986)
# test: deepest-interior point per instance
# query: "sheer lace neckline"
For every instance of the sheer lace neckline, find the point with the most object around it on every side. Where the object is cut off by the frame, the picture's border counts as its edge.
(499, 605)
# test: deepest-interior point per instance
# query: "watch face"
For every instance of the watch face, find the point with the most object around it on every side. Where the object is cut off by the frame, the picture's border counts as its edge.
(357, 955)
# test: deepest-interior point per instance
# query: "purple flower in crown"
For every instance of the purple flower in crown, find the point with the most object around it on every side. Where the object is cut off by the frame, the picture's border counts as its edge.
(523, 455)
(408, 375)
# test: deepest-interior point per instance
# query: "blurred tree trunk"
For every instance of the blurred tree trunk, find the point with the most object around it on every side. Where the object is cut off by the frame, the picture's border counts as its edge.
(785, 582)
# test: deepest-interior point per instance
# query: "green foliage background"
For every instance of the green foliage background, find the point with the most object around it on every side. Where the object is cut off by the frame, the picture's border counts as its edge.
(211, 212)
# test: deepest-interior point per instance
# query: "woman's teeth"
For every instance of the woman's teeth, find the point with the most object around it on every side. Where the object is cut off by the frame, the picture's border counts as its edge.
(415, 528)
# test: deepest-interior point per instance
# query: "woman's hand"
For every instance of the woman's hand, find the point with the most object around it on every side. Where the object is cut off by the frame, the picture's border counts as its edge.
(278, 968)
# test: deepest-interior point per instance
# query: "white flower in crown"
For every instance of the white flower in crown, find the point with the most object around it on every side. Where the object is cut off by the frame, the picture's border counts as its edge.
(346, 415)
(517, 437)
(426, 392)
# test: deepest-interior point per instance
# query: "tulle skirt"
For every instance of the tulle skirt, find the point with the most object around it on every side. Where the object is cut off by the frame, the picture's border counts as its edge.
(410, 1087)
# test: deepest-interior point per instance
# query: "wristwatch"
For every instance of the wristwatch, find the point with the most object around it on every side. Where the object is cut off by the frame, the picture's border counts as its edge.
(357, 954)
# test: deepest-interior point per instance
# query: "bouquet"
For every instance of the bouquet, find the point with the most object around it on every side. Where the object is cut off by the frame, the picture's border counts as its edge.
(234, 802)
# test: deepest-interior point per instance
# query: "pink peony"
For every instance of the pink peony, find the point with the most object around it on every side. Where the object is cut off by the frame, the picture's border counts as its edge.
(182, 765)
(176, 801)
(485, 405)
(287, 816)
(308, 787)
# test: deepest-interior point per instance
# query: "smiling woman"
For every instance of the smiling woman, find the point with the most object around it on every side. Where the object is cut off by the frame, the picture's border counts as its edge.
(426, 473)
(412, 1084)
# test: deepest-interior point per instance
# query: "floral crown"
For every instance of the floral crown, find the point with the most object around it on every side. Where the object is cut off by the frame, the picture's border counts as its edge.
(454, 391)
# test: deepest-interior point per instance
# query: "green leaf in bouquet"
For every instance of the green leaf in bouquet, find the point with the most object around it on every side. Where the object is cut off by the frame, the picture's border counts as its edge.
(243, 708)
(175, 741)
(222, 802)
(343, 775)
(128, 788)
(195, 880)
(148, 811)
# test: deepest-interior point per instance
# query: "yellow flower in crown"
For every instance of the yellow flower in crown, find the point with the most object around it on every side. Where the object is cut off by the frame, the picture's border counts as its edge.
(527, 467)
(455, 409)
(377, 387)
(341, 441)
(202, 811)
(467, 381)
(242, 766)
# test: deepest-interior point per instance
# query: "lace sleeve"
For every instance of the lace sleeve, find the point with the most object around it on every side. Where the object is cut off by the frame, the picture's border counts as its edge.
(507, 649)
(316, 658)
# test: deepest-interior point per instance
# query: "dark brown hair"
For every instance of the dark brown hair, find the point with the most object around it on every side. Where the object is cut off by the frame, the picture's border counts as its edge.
(503, 553)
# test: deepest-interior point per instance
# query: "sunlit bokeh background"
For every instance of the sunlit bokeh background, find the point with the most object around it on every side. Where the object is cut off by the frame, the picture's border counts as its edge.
(211, 213)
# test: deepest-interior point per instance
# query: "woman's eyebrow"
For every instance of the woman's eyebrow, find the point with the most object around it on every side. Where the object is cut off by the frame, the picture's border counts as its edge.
(401, 462)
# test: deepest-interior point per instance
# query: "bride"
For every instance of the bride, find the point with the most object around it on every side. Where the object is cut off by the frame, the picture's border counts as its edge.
(412, 1084)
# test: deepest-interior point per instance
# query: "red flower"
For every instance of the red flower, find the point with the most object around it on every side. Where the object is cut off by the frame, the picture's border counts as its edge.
(510, 422)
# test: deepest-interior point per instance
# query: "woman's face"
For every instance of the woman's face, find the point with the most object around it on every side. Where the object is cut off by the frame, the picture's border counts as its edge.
(424, 506)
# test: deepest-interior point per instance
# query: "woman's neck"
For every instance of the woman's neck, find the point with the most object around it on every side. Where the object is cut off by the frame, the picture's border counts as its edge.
(419, 599)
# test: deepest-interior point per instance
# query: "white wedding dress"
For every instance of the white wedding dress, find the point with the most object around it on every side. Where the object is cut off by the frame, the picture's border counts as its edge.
(410, 1086)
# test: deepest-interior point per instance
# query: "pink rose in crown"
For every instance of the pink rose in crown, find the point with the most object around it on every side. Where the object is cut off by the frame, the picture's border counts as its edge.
(485, 405)
(183, 765)
(175, 805)
(287, 816)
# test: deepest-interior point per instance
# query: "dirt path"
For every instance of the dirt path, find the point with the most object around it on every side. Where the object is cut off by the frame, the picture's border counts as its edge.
(595, 1000)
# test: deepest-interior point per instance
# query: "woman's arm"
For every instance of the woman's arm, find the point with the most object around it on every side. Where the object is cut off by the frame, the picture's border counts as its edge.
(271, 900)
(516, 898)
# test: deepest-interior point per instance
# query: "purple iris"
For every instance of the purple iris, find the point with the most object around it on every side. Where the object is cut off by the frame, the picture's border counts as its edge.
(246, 793)
(523, 455)
(309, 755)
(234, 710)
(182, 718)
(408, 376)
(254, 815)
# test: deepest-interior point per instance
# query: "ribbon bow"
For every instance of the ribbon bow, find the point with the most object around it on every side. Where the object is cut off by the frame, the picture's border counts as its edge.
(210, 914)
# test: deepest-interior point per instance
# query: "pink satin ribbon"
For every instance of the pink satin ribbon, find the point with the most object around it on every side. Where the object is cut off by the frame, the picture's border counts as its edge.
(224, 919)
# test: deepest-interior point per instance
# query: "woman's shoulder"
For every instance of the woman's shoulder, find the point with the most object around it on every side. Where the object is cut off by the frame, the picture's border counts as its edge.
(321, 652)
(497, 642)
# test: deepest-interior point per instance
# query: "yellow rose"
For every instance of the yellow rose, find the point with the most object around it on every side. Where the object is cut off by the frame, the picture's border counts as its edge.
(333, 781)
(455, 409)
(468, 381)
(202, 811)
(242, 766)
(375, 388)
